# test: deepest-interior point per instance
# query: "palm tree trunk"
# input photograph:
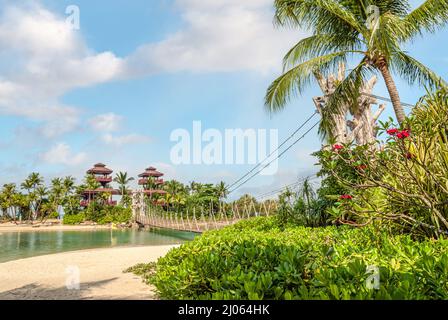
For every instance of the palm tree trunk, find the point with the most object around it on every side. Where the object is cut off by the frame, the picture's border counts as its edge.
(393, 93)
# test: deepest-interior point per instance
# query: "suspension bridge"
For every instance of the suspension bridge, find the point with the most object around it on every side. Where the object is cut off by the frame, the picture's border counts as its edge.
(147, 215)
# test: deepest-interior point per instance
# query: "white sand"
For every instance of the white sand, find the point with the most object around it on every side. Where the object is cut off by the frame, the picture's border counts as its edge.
(101, 275)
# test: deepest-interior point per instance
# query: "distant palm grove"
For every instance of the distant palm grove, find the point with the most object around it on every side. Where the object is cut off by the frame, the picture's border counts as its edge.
(32, 200)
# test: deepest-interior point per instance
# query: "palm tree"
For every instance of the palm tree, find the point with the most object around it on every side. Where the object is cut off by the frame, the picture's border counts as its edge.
(7, 204)
(57, 194)
(343, 29)
(222, 189)
(123, 180)
(33, 184)
(151, 183)
(306, 192)
(68, 184)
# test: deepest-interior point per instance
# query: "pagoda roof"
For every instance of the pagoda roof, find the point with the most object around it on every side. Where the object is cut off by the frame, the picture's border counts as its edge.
(102, 190)
(151, 172)
(99, 168)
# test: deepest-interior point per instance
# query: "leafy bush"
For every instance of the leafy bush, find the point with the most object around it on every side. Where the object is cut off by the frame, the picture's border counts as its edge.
(301, 208)
(73, 218)
(116, 214)
(102, 214)
(404, 181)
(254, 259)
(95, 211)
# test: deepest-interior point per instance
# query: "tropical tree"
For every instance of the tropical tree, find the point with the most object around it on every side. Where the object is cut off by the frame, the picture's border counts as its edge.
(68, 184)
(150, 184)
(56, 196)
(222, 189)
(7, 203)
(307, 193)
(374, 30)
(33, 185)
(123, 180)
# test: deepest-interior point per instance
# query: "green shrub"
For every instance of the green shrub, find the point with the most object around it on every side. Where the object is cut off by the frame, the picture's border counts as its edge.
(404, 182)
(302, 208)
(73, 218)
(95, 211)
(254, 259)
(116, 214)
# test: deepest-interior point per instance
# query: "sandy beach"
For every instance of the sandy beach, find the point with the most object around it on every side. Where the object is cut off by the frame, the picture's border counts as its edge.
(100, 273)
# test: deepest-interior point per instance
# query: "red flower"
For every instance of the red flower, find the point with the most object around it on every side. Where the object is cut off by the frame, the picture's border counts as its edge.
(392, 131)
(403, 134)
(361, 167)
(337, 147)
(346, 197)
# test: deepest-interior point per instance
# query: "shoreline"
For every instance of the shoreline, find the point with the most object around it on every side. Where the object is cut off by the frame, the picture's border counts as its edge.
(11, 227)
(100, 272)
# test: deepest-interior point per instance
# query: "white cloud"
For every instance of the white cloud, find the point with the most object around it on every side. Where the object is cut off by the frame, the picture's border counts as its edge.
(123, 140)
(219, 36)
(61, 153)
(47, 59)
(106, 122)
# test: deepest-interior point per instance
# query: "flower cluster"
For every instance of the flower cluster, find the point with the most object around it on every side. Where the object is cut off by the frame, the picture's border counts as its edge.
(346, 197)
(337, 147)
(392, 131)
(403, 134)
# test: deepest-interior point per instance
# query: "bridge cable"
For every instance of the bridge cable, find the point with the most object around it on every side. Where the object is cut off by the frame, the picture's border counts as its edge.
(278, 148)
(278, 157)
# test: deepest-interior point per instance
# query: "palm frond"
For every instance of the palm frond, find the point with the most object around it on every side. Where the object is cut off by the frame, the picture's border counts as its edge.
(414, 71)
(294, 81)
(318, 45)
(322, 16)
(430, 16)
(384, 37)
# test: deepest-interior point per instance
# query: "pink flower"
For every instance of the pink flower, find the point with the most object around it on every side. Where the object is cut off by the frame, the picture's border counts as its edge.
(337, 147)
(346, 197)
(392, 131)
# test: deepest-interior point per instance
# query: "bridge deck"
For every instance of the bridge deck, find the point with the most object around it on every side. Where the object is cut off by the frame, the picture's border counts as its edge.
(189, 224)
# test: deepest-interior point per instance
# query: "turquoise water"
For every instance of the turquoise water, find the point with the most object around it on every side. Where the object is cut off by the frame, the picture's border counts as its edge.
(18, 245)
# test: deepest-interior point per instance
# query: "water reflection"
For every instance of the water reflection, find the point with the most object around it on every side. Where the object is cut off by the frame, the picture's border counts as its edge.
(16, 245)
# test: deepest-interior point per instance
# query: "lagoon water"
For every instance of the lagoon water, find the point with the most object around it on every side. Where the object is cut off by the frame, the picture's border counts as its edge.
(18, 245)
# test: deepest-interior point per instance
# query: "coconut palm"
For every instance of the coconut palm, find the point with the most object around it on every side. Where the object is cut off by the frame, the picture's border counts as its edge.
(123, 180)
(68, 184)
(373, 30)
(222, 189)
(33, 184)
(7, 204)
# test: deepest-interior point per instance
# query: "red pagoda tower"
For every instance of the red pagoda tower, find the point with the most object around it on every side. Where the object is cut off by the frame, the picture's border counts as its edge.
(103, 176)
(151, 173)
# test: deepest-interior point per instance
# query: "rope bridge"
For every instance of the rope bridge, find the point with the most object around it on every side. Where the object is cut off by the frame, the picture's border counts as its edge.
(192, 221)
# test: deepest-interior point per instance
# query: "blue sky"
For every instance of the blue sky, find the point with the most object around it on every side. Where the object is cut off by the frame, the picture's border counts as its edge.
(114, 90)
